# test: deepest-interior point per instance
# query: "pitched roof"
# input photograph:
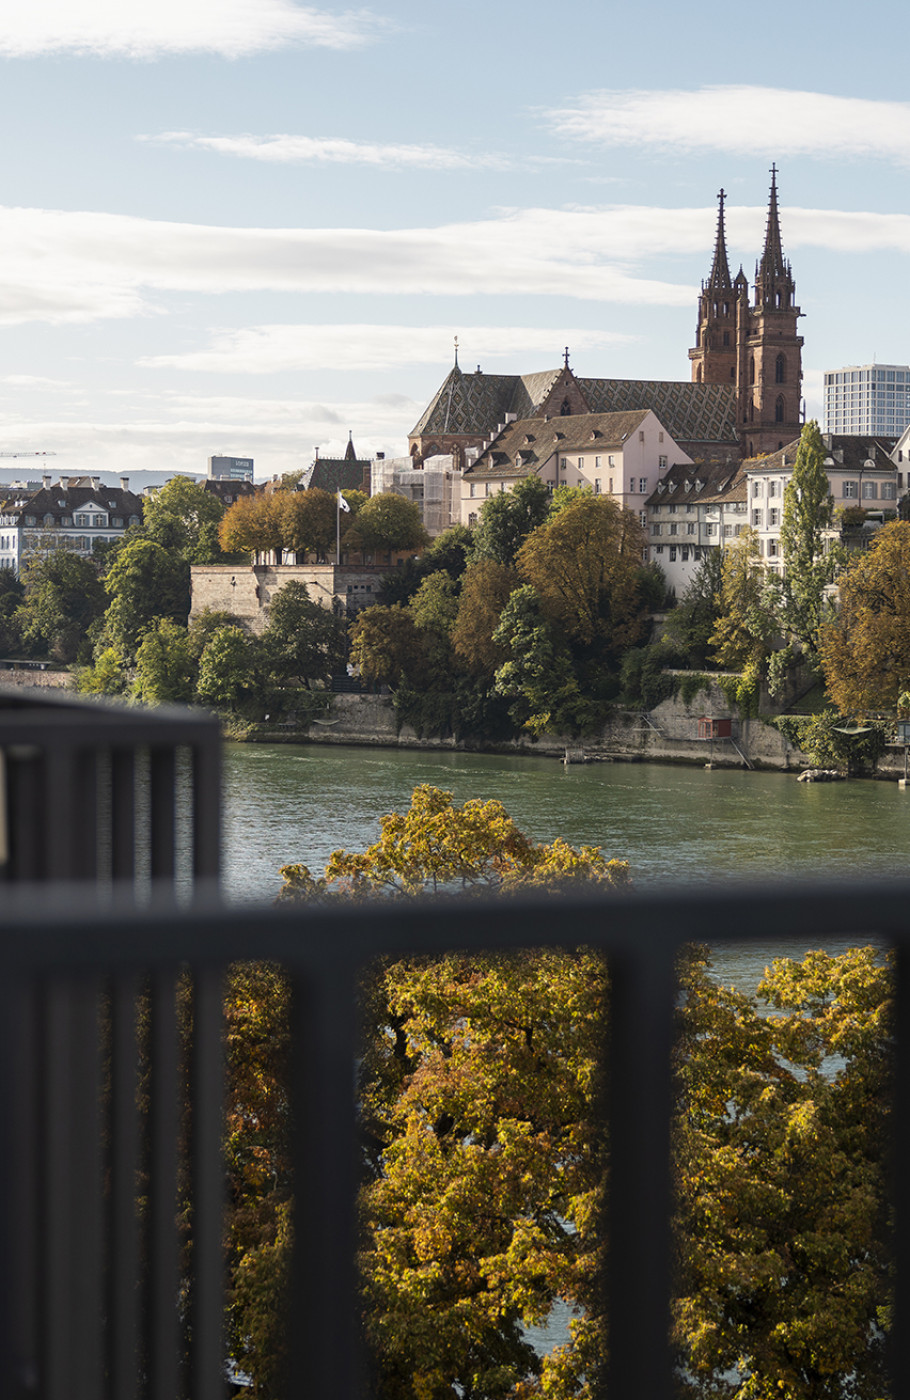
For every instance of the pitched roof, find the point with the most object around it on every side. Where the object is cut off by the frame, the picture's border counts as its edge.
(845, 452)
(704, 483)
(526, 445)
(475, 404)
(340, 474)
(59, 501)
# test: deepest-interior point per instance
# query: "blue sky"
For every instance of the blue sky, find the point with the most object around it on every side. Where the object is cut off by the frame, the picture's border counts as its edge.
(248, 226)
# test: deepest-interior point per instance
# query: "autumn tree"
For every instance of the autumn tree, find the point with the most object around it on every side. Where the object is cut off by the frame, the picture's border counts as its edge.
(386, 644)
(865, 649)
(253, 525)
(805, 541)
(584, 564)
(507, 519)
(308, 521)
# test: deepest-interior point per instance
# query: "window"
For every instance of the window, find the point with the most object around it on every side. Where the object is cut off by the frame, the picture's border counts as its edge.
(643, 518)
(643, 484)
(870, 491)
(610, 487)
(610, 462)
(728, 531)
(563, 462)
(685, 554)
(756, 519)
(655, 529)
(660, 437)
(631, 484)
(773, 549)
(641, 435)
(690, 528)
(117, 521)
(772, 488)
(581, 464)
(598, 463)
(774, 517)
(596, 486)
(662, 461)
(673, 528)
(710, 529)
(472, 520)
(473, 488)
(780, 370)
(889, 491)
(672, 553)
(659, 549)
(849, 490)
(756, 489)
(82, 520)
(779, 409)
(672, 509)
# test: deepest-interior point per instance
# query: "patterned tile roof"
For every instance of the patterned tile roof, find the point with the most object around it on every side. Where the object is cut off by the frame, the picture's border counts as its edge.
(340, 474)
(475, 404)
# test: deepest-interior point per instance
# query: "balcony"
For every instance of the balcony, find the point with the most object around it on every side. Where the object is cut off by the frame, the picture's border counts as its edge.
(106, 800)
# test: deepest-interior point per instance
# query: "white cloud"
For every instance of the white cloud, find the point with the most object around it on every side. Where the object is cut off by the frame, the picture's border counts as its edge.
(332, 150)
(275, 348)
(742, 119)
(64, 267)
(137, 29)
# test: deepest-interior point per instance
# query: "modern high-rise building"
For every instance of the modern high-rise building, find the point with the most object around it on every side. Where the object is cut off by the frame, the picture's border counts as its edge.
(231, 468)
(871, 400)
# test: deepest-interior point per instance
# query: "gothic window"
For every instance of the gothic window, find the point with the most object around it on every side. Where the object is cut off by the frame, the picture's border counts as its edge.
(751, 369)
(780, 370)
(698, 379)
(779, 409)
(566, 409)
(726, 337)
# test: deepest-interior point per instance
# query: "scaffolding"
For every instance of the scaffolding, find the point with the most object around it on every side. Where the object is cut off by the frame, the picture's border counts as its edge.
(435, 487)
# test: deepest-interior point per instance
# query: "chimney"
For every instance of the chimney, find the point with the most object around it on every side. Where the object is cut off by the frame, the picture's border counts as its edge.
(124, 483)
(95, 482)
(46, 481)
(380, 456)
(65, 482)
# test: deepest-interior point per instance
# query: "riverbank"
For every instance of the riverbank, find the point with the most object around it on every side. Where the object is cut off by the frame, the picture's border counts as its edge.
(673, 732)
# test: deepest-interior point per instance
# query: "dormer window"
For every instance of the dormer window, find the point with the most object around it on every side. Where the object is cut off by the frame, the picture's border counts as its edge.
(699, 485)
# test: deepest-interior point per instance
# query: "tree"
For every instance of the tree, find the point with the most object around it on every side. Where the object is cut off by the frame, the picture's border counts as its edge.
(228, 674)
(507, 519)
(165, 665)
(388, 522)
(805, 542)
(745, 626)
(485, 590)
(386, 645)
(538, 672)
(781, 1160)
(304, 641)
(865, 649)
(183, 518)
(64, 597)
(584, 564)
(12, 594)
(308, 521)
(434, 606)
(693, 620)
(145, 582)
(253, 525)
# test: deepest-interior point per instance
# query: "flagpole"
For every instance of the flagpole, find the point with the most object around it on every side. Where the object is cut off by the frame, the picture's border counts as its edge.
(338, 529)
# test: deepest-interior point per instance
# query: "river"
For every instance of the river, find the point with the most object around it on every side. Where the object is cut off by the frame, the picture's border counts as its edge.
(673, 824)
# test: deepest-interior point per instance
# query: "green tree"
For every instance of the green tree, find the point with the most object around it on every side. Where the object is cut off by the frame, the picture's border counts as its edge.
(64, 598)
(693, 620)
(183, 518)
(12, 594)
(539, 672)
(165, 665)
(507, 519)
(145, 582)
(745, 628)
(434, 606)
(865, 649)
(228, 672)
(388, 522)
(805, 540)
(304, 641)
(107, 676)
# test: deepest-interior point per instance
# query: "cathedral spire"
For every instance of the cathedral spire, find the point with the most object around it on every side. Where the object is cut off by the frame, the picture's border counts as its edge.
(772, 263)
(719, 278)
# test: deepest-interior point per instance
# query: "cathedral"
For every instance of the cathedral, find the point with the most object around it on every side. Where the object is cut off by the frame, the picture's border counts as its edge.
(743, 399)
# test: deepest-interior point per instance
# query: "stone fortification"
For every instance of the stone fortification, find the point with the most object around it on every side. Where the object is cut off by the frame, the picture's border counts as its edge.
(246, 590)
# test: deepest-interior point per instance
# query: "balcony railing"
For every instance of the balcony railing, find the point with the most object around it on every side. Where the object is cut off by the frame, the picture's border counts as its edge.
(89, 1295)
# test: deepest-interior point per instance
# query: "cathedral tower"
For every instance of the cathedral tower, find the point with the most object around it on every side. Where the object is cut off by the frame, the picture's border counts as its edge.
(753, 348)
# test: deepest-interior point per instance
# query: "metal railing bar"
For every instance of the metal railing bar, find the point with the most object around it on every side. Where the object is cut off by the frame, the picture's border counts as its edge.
(123, 1299)
(162, 792)
(85, 819)
(207, 1317)
(123, 813)
(206, 811)
(640, 1036)
(162, 1335)
(325, 1356)
(59, 815)
(25, 781)
(105, 726)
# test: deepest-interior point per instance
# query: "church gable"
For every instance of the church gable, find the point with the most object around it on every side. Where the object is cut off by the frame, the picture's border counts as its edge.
(565, 397)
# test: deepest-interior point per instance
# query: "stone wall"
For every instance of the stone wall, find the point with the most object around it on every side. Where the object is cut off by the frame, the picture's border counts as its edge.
(246, 590)
(41, 680)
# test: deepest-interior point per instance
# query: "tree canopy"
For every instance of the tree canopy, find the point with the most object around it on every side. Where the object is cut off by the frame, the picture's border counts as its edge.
(507, 519)
(865, 649)
(805, 540)
(388, 522)
(64, 597)
(183, 517)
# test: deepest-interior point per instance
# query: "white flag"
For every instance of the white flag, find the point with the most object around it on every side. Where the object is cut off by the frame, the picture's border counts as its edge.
(343, 503)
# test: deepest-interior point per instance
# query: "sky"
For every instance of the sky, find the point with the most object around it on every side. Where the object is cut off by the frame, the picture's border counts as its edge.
(251, 227)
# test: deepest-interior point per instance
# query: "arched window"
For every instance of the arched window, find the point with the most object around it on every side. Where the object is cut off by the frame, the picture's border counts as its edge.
(779, 409)
(698, 375)
(732, 371)
(780, 370)
(566, 409)
(751, 369)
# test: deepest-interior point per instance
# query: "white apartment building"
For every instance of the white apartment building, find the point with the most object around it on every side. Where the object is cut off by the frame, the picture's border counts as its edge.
(71, 514)
(622, 455)
(869, 400)
(860, 472)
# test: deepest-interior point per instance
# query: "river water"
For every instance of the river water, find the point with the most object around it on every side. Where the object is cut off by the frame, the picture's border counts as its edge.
(675, 825)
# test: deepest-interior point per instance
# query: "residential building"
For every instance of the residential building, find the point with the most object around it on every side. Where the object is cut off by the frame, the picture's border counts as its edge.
(231, 468)
(622, 455)
(435, 487)
(860, 473)
(229, 489)
(869, 400)
(695, 507)
(74, 513)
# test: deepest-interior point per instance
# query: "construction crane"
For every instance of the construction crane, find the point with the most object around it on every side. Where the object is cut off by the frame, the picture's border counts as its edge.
(28, 454)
